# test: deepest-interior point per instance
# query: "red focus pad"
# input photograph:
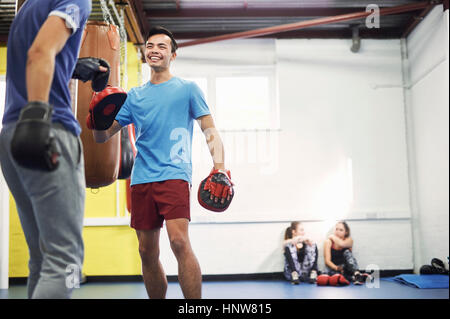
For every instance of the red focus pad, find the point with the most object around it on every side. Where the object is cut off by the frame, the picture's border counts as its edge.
(218, 184)
(334, 280)
(322, 280)
(338, 280)
(104, 107)
(343, 281)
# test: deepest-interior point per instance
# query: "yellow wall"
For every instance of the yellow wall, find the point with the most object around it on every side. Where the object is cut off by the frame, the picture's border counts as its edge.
(2, 58)
(109, 250)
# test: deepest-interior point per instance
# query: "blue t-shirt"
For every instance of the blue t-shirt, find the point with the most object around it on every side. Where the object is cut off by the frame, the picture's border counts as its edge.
(163, 115)
(23, 31)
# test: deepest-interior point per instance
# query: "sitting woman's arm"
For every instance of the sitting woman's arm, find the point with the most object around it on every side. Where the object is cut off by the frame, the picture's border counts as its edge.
(327, 255)
(343, 243)
(298, 239)
(294, 240)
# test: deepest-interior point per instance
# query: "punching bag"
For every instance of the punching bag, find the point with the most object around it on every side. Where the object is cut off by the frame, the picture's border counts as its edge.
(100, 40)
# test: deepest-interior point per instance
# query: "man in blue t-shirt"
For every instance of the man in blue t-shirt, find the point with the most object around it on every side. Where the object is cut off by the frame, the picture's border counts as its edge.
(42, 51)
(163, 112)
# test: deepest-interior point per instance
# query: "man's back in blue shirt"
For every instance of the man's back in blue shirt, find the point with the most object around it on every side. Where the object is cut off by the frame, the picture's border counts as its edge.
(23, 31)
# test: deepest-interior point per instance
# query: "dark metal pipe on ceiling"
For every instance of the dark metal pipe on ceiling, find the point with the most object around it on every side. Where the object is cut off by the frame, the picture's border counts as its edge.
(310, 23)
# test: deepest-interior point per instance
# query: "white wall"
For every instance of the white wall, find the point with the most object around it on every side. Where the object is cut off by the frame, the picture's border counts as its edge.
(340, 150)
(428, 116)
(334, 104)
(250, 248)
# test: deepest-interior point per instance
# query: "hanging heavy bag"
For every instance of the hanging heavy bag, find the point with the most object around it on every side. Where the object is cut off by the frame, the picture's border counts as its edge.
(101, 40)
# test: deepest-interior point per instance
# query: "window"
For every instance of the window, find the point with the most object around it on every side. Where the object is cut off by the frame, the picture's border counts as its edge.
(243, 102)
(240, 99)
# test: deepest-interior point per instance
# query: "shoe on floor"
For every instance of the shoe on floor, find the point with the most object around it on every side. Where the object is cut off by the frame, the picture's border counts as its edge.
(295, 279)
(361, 279)
(313, 277)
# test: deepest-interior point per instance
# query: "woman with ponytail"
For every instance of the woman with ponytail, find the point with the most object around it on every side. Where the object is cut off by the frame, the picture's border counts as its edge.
(300, 254)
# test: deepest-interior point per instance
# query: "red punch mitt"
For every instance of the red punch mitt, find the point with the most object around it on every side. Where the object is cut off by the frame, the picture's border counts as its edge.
(323, 280)
(218, 184)
(338, 280)
(334, 280)
(104, 107)
(343, 281)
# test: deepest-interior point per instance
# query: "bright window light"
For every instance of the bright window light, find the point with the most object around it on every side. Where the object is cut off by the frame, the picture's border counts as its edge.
(243, 103)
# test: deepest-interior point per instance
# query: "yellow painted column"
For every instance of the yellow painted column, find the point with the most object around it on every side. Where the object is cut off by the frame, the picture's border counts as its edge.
(2, 59)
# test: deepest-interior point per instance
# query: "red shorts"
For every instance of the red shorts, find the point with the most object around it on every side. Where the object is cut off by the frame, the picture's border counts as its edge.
(152, 203)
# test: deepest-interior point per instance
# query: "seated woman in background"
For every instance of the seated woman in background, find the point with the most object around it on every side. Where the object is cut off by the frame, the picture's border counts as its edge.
(300, 254)
(339, 258)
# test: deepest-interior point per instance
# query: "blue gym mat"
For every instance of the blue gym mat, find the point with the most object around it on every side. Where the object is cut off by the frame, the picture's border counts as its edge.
(421, 281)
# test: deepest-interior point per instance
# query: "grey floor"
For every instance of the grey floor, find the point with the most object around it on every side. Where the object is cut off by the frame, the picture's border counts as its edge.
(252, 289)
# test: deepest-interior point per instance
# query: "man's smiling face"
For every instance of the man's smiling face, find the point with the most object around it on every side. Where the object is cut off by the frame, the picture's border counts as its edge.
(158, 52)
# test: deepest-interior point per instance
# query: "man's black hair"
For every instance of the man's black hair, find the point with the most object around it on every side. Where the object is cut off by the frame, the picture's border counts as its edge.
(162, 30)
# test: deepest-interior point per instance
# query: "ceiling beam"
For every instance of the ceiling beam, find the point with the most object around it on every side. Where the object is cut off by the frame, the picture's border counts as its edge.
(415, 20)
(344, 33)
(134, 23)
(249, 12)
(309, 23)
(138, 10)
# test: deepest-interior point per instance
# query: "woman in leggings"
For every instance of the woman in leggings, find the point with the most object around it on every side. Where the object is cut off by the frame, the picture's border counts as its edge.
(300, 254)
(341, 265)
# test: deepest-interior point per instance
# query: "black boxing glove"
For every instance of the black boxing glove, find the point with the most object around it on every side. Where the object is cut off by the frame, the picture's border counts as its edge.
(126, 155)
(33, 144)
(87, 69)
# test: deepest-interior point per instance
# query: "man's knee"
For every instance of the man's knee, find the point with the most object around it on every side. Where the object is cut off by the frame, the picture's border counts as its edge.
(179, 244)
(149, 254)
(148, 245)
